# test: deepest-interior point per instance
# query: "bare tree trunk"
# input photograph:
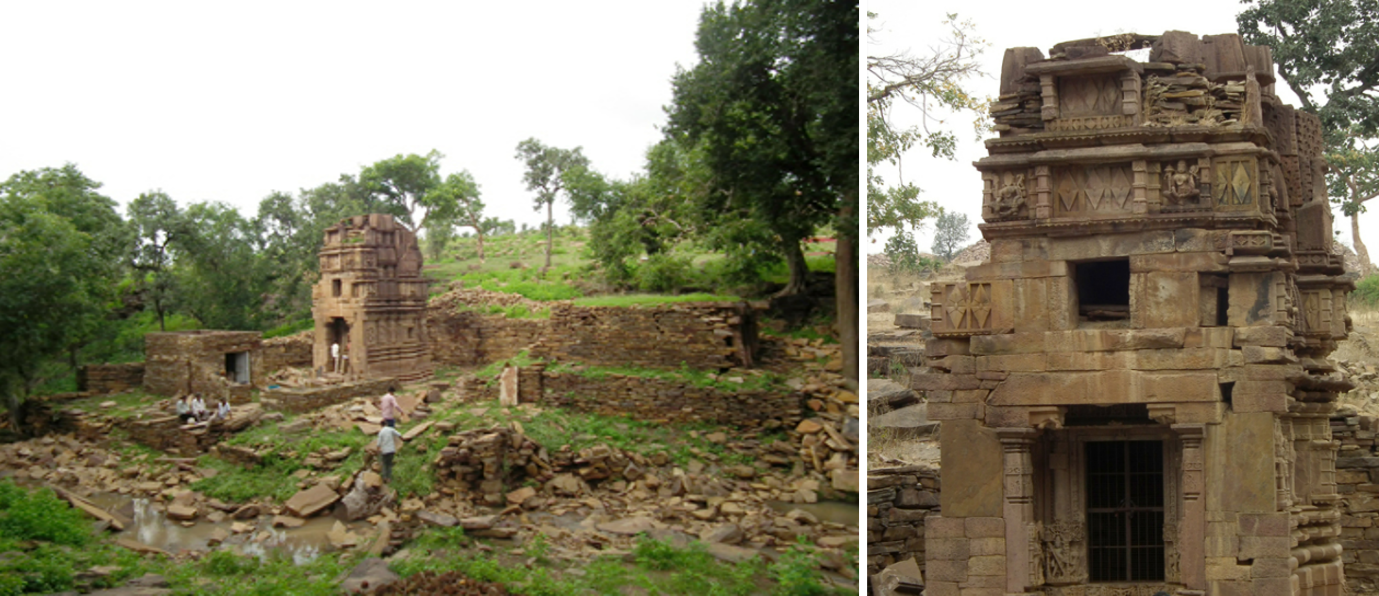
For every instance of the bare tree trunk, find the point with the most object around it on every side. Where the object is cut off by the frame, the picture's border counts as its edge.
(795, 263)
(1360, 251)
(550, 229)
(846, 292)
(480, 234)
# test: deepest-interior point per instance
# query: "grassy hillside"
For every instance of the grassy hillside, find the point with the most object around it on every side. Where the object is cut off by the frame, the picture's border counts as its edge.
(513, 264)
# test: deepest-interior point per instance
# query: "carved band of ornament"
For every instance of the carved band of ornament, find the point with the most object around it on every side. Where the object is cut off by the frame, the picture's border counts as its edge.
(1234, 186)
(967, 307)
(1088, 123)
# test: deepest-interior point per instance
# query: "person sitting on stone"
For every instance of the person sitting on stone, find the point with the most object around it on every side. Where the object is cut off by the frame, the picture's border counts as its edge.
(222, 411)
(184, 410)
(199, 407)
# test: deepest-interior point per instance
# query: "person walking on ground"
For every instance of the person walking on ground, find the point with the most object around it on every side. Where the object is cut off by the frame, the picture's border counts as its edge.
(388, 438)
(388, 406)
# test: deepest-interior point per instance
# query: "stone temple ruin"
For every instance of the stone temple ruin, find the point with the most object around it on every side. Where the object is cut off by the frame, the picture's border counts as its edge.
(1135, 388)
(371, 302)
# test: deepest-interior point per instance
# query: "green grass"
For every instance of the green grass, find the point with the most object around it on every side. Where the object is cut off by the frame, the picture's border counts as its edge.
(651, 299)
(752, 379)
(655, 567)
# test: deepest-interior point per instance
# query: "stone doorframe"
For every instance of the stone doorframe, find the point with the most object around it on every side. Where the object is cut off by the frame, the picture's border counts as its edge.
(1044, 503)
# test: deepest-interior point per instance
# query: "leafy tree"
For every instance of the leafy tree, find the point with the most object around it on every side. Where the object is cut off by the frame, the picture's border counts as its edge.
(545, 168)
(902, 252)
(61, 245)
(930, 84)
(1325, 50)
(400, 184)
(459, 193)
(157, 222)
(950, 232)
(223, 280)
(772, 108)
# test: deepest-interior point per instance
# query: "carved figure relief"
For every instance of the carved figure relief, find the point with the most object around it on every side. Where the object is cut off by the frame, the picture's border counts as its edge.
(1035, 530)
(1180, 183)
(1010, 198)
(1063, 560)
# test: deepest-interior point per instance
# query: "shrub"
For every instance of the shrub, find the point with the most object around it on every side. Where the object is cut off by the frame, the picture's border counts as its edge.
(1366, 292)
(39, 515)
(663, 273)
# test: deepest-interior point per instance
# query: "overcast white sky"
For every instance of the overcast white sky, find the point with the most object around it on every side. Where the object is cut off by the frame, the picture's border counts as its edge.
(916, 26)
(231, 101)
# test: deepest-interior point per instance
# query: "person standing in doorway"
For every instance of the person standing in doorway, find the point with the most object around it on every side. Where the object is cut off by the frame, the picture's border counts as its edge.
(335, 356)
(388, 438)
(388, 406)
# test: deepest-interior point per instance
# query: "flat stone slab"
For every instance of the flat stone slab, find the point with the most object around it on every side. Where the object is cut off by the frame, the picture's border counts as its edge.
(438, 519)
(368, 576)
(730, 553)
(306, 503)
(628, 526)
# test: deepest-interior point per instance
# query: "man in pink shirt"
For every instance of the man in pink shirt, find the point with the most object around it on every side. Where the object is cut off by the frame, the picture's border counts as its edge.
(388, 405)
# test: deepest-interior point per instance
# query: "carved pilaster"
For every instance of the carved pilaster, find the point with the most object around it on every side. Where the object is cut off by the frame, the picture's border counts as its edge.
(1130, 96)
(1043, 193)
(1049, 89)
(1018, 510)
(1139, 192)
(1191, 527)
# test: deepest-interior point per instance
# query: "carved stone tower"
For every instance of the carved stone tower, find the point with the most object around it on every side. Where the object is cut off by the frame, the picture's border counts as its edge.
(1135, 388)
(370, 305)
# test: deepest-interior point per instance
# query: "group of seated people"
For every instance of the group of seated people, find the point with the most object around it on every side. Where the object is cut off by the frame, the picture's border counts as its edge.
(194, 410)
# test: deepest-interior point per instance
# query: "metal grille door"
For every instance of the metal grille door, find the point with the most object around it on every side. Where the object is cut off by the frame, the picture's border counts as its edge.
(1125, 511)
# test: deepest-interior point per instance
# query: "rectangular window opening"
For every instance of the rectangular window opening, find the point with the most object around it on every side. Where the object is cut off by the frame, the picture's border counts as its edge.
(1103, 290)
(1125, 511)
(335, 287)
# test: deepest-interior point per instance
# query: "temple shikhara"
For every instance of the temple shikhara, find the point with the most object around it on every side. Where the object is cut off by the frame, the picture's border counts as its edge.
(1134, 390)
(370, 304)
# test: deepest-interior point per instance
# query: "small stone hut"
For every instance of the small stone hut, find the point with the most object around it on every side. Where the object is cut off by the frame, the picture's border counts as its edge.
(371, 302)
(216, 364)
(1135, 388)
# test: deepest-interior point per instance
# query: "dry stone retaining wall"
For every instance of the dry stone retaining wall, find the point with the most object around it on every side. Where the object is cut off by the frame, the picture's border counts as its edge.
(649, 399)
(1357, 481)
(291, 351)
(701, 335)
(110, 378)
(899, 500)
(305, 399)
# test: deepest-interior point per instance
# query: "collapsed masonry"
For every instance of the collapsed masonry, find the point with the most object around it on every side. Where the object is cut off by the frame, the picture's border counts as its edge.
(1135, 389)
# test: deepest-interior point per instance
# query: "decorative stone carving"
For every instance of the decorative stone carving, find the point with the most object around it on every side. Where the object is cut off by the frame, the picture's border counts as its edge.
(963, 308)
(1063, 552)
(1010, 198)
(1088, 96)
(1102, 188)
(1035, 532)
(1236, 182)
(1180, 183)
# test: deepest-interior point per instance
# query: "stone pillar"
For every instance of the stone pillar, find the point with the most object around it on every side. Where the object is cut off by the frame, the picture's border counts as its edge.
(1018, 508)
(1192, 512)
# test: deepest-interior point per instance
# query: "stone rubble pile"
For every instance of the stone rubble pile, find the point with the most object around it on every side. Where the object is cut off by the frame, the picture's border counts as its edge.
(1177, 95)
(898, 501)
